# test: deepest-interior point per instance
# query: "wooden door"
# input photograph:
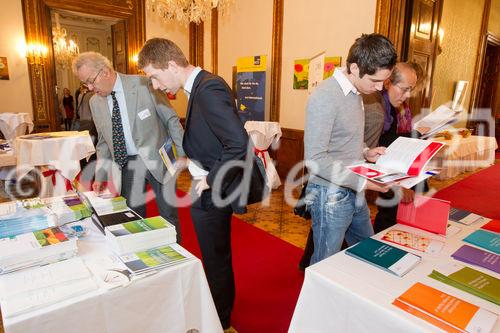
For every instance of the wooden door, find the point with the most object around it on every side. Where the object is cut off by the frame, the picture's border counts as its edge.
(422, 45)
(118, 31)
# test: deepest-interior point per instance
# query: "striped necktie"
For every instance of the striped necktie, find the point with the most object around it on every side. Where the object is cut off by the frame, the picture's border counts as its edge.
(119, 147)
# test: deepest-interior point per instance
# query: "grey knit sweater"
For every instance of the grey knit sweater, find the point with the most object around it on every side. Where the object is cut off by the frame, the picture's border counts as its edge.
(333, 135)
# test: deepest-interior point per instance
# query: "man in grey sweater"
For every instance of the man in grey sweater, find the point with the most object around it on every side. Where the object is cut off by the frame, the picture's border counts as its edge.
(333, 139)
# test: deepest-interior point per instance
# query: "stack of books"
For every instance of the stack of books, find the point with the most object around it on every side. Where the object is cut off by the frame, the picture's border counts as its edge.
(140, 234)
(469, 280)
(67, 208)
(142, 262)
(24, 216)
(445, 311)
(105, 220)
(105, 202)
(35, 248)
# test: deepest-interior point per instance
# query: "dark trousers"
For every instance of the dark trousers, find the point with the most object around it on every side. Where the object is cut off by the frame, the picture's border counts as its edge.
(386, 216)
(213, 229)
(134, 178)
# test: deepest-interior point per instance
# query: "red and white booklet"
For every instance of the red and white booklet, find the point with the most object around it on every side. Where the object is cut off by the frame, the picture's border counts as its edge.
(404, 158)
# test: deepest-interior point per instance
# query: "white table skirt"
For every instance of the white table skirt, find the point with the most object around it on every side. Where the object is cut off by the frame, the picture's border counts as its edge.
(263, 135)
(15, 124)
(175, 299)
(61, 153)
(344, 294)
(464, 154)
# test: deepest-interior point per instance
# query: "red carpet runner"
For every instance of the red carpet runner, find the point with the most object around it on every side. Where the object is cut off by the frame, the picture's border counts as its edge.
(477, 193)
(268, 281)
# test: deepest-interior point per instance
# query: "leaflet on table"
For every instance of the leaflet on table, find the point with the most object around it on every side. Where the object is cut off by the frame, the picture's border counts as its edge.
(144, 261)
(445, 311)
(469, 280)
(31, 289)
(436, 121)
(385, 256)
(415, 238)
(493, 225)
(485, 239)
(168, 153)
(425, 213)
(465, 217)
(404, 158)
(478, 257)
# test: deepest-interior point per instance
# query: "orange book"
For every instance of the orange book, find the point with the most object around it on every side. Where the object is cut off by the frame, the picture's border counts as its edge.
(445, 311)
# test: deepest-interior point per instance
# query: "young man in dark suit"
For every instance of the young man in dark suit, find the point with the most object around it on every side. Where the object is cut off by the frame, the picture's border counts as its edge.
(214, 136)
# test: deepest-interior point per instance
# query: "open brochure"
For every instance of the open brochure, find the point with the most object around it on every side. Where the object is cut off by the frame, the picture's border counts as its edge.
(436, 121)
(168, 153)
(404, 158)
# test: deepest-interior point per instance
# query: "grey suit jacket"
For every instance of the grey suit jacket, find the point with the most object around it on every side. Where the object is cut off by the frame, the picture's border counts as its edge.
(148, 133)
(374, 118)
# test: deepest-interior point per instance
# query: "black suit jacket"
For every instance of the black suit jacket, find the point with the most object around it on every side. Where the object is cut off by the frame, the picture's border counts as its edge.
(214, 133)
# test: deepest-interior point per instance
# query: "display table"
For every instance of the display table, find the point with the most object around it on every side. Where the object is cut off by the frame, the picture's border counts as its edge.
(344, 294)
(15, 124)
(464, 154)
(57, 156)
(264, 134)
(176, 299)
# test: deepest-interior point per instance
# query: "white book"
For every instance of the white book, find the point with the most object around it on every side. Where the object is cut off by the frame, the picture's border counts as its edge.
(436, 121)
(30, 289)
(404, 158)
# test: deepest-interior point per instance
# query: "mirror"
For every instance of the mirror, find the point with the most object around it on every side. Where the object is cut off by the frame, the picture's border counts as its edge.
(38, 26)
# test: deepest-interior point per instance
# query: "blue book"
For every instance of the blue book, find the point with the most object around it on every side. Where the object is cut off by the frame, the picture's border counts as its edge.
(464, 217)
(168, 153)
(485, 239)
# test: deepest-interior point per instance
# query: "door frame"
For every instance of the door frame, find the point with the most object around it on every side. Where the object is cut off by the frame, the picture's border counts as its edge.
(37, 27)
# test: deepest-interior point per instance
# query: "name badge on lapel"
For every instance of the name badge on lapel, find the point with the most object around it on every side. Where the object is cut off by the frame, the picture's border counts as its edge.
(144, 114)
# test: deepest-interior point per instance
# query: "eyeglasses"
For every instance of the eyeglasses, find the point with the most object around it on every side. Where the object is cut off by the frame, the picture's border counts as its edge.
(88, 82)
(406, 89)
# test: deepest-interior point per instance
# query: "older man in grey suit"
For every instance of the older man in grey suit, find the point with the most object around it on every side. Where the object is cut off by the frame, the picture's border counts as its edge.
(133, 121)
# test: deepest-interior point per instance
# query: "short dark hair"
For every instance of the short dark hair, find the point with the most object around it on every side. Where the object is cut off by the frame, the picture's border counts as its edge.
(371, 53)
(158, 52)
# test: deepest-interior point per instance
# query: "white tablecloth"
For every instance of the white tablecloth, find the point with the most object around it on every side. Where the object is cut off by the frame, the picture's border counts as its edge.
(61, 153)
(264, 134)
(464, 154)
(175, 299)
(344, 294)
(15, 124)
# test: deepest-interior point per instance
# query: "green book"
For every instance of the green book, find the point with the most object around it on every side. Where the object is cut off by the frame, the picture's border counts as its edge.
(385, 256)
(469, 280)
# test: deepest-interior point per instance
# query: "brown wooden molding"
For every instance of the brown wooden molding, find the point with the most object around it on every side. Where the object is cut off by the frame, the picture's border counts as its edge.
(390, 22)
(214, 35)
(483, 42)
(196, 43)
(37, 26)
(276, 58)
(290, 151)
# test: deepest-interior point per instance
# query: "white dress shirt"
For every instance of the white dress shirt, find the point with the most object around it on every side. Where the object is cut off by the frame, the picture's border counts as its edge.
(120, 97)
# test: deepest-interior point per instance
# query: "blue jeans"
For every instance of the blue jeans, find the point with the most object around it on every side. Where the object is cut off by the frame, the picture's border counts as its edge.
(336, 212)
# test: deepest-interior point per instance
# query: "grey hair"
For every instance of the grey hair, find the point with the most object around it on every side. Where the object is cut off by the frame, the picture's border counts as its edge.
(93, 60)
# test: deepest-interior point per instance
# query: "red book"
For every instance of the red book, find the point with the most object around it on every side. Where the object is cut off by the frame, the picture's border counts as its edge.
(425, 213)
(493, 225)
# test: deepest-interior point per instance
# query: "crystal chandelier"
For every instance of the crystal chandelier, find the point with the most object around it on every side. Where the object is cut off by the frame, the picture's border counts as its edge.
(187, 11)
(64, 50)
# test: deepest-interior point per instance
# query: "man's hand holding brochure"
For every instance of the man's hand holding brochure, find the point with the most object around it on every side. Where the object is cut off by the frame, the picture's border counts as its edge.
(404, 158)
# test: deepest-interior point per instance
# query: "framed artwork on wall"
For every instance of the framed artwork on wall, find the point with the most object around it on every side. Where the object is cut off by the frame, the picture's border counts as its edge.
(4, 69)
